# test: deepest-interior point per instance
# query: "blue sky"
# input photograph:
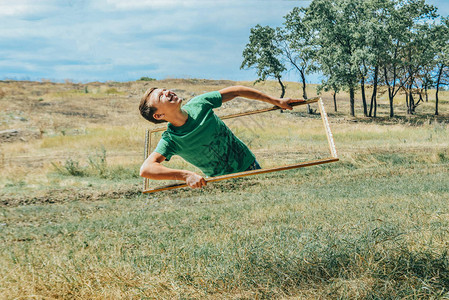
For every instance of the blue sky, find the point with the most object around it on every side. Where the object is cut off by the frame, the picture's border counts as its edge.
(123, 40)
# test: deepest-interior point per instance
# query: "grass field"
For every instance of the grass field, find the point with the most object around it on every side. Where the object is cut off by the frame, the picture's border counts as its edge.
(74, 225)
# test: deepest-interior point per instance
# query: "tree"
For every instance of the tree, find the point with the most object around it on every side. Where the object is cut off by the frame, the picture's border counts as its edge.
(375, 38)
(299, 48)
(334, 24)
(403, 54)
(263, 52)
(419, 51)
(441, 58)
(363, 55)
(390, 56)
(357, 43)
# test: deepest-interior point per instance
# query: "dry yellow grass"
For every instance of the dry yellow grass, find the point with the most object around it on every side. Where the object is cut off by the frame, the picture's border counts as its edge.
(74, 120)
(373, 225)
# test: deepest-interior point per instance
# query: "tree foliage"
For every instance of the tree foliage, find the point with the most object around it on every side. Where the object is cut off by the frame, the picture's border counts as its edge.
(398, 46)
(441, 46)
(298, 46)
(263, 52)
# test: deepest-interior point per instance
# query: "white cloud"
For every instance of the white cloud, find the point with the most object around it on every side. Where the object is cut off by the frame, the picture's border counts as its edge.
(164, 4)
(145, 4)
(122, 40)
(13, 10)
(112, 39)
(23, 8)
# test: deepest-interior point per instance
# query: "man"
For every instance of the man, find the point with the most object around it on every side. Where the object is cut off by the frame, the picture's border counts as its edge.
(196, 134)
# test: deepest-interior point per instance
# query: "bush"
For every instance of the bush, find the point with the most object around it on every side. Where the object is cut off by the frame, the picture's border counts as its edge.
(98, 163)
(70, 167)
(144, 78)
(97, 167)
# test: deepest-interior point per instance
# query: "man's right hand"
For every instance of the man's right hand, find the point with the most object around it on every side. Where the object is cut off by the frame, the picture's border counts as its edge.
(195, 181)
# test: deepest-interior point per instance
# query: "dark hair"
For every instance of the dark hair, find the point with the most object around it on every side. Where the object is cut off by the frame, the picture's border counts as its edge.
(146, 110)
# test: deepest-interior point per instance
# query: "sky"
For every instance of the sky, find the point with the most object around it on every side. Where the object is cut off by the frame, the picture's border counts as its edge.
(123, 40)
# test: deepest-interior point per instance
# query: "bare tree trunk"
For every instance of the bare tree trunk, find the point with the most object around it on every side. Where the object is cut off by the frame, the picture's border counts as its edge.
(440, 73)
(351, 100)
(303, 79)
(411, 80)
(390, 98)
(436, 100)
(411, 102)
(304, 93)
(375, 107)
(410, 84)
(390, 93)
(407, 102)
(335, 100)
(374, 95)
(282, 86)
(419, 100)
(362, 86)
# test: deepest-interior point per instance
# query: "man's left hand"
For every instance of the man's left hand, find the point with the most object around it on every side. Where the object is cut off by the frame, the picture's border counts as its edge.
(285, 103)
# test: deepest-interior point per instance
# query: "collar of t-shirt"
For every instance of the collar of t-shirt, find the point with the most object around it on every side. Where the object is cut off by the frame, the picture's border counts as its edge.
(183, 129)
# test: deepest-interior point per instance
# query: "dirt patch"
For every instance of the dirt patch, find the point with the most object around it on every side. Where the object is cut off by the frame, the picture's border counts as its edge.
(84, 115)
(13, 135)
(66, 195)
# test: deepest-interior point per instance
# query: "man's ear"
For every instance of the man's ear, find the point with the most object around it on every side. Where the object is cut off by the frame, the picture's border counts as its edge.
(158, 116)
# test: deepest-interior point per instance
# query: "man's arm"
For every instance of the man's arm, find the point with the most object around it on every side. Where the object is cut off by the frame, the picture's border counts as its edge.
(152, 169)
(232, 92)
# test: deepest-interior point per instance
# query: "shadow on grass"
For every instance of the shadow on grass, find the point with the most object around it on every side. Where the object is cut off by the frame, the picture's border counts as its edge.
(386, 274)
(376, 265)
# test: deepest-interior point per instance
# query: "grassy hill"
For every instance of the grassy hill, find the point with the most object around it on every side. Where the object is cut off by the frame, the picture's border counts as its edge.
(73, 223)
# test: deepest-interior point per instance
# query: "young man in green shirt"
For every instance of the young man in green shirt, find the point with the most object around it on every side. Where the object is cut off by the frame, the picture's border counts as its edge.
(196, 134)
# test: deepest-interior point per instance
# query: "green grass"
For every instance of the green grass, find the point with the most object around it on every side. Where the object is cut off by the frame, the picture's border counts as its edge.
(331, 231)
(372, 226)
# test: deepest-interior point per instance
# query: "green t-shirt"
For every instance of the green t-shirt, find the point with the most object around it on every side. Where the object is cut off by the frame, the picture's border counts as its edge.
(205, 141)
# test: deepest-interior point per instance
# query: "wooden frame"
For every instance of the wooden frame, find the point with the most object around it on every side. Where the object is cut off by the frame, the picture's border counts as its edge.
(333, 152)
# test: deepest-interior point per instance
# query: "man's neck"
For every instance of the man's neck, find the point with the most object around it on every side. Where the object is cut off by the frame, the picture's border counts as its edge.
(179, 118)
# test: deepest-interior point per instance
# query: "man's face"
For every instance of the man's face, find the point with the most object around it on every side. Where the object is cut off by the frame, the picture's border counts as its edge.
(164, 100)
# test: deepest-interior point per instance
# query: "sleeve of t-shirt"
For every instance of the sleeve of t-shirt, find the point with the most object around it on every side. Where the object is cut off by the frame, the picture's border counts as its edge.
(214, 98)
(166, 148)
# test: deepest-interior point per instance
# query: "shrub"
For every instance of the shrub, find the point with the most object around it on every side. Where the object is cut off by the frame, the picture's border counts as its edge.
(97, 167)
(98, 163)
(70, 167)
(144, 78)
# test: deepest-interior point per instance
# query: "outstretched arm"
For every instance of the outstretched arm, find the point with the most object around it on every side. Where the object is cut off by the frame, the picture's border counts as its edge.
(232, 92)
(152, 169)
